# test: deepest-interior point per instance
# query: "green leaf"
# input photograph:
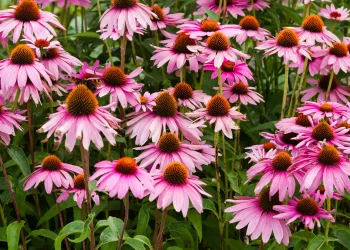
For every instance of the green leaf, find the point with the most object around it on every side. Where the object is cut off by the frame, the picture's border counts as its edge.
(106, 237)
(143, 220)
(211, 14)
(3, 234)
(196, 219)
(174, 248)
(86, 230)
(316, 243)
(135, 244)
(233, 179)
(74, 227)
(144, 240)
(44, 233)
(86, 34)
(101, 223)
(209, 205)
(53, 211)
(116, 225)
(20, 158)
(13, 231)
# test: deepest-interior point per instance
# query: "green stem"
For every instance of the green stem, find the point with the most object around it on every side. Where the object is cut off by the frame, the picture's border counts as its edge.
(219, 10)
(293, 94)
(161, 230)
(155, 33)
(225, 12)
(328, 222)
(3, 218)
(15, 102)
(201, 79)
(252, 2)
(300, 85)
(329, 85)
(126, 218)
(285, 89)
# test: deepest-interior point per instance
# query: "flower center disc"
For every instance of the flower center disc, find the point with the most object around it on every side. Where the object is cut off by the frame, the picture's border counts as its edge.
(79, 181)
(50, 53)
(181, 43)
(41, 43)
(228, 2)
(313, 23)
(169, 143)
(22, 55)
(218, 106)
(143, 100)
(328, 155)
(324, 80)
(228, 66)
(183, 91)
(218, 41)
(344, 125)
(287, 38)
(114, 76)
(281, 162)
(166, 105)
(81, 101)
(287, 139)
(307, 207)
(326, 107)
(323, 131)
(249, 23)
(266, 202)
(175, 173)
(124, 4)
(126, 166)
(239, 88)
(303, 120)
(51, 163)
(335, 14)
(27, 10)
(339, 49)
(209, 25)
(268, 145)
(159, 12)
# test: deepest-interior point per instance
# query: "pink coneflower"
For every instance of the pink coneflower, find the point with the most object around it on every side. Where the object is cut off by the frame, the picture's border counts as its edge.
(52, 55)
(323, 110)
(288, 125)
(66, 3)
(3, 40)
(58, 88)
(118, 85)
(337, 92)
(275, 171)
(218, 111)
(258, 214)
(85, 76)
(242, 92)
(21, 67)
(82, 118)
(168, 149)
(284, 141)
(187, 97)
(164, 19)
(314, 64)
(323, 163)
(28, 92)
(164, 114)
(199, 29)
(313, 30)
(126, 15)
(176, 53)
(331, 13)
(115, 35)
(306, 209)
(144, 102)
(79, 192)
(234, 7)
(261, 152)
(320, 194)
(119, 176)
(231, 71)
(250, 28)
(53, 172)
(27, 15)
(321, 131)
(174, 185)
(8, 122)
(286, 44)
(259, 5)
(217, 48)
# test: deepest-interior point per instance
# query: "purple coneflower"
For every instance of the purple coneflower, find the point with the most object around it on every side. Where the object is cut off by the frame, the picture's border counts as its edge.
(322, 110)
(234, 7)
(144, 102)
(242, 92)
(331, 13)
(250, 28)
(288, 125)
(8, 122)
(164, 19)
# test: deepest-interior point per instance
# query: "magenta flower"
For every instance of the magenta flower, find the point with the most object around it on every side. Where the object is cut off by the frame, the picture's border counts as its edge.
(288, 125)
(337, 92)
(234, 7)
(58, 88)
(231, 71)
(78, 191)
(130, 15)
(28, 92)
(259, 5)
(242, 92)
(199, 29)
(320, 194)
(21, 68)
(174, 185)
(65, 3)
(283, 141)
(117, 84)
(250, 28)
(331, 13)
(119, 176)
(257, 213)
(313, 30)
(84, 76)
(324, 110)
(261, 152)
(176, 53)
(82, 118)
(28, 17)
(286, 44)
(306, 209)
(144, 102)
(115, 35)
(3, 40)
(151, 124)
(8, 122)
(217, 111)
(217, 48)
(314, 64)
(169, 148)
(53, 172)
(187, 97)
(164, 19)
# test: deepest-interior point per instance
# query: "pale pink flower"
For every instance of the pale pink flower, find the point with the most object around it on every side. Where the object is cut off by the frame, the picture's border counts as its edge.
(3, 40)
(144, 102)
(9, 121)
(84, 76)
(27, 92)
(261, 152)
(322, 110)
(314, 64)
(259, 5)
(164, 19)
(250, 28)
(27, 17)
(58, 88)
(331, 13)
(115, 35)
(288, 125)
(174, 185)
(320, 194)
(53, 172)
(242, 92)
(234, 7)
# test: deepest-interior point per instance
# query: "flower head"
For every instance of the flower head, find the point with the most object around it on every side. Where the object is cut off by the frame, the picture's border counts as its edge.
(65, 3)
(314, 64)
(144, 102)
(234, 7)
(331, 13)
(288, 125)
(86, 76)
(242, 92)
(164, 19)
(324, 110)
(9, 121)
(250, 28)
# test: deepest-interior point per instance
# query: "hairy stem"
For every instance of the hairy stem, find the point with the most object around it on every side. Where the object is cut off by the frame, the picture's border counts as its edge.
(285, 89)
(126, 217)
(61, 220)
(329, 85)
(328, 223)
(161, 230)
(300, 86)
